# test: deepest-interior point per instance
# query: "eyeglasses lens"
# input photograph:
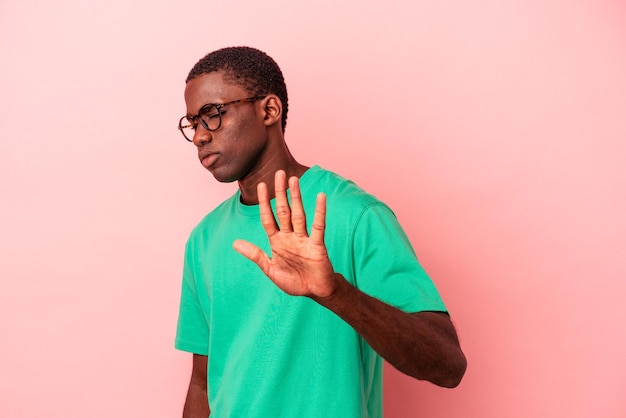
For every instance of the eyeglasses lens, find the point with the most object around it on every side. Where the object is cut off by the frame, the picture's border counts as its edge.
(210, 117)
(187, 127)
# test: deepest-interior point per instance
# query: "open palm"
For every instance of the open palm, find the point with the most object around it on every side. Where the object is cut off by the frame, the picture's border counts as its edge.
(299, 264)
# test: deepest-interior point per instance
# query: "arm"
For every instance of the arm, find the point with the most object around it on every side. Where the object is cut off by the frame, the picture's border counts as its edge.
(197, 404)
(423, 345)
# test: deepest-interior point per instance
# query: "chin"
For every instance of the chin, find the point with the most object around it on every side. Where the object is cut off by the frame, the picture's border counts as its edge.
(224, 177)
(225, 180)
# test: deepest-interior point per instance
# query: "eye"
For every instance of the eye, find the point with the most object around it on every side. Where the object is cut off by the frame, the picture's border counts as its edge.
(208, 111)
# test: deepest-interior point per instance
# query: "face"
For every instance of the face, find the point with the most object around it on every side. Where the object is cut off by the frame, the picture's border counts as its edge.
(236, 148)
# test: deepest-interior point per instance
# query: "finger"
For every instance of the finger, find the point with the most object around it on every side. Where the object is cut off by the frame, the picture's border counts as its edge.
(265, 209)
(298, 217)
(253, 253)
(319, 220)
(283, 212)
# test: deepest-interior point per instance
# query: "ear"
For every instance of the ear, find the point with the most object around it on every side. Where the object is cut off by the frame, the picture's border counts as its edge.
(272, 110)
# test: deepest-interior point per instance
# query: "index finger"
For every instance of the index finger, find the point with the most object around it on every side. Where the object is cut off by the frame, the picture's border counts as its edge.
(267, 216)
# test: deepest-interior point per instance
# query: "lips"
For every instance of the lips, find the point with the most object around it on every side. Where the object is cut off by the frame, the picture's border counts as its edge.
(207, 158)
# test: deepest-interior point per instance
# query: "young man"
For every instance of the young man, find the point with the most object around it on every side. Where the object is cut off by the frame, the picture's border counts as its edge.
(333, 283)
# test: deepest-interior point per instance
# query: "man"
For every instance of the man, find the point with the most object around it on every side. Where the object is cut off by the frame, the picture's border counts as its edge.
(333, 284)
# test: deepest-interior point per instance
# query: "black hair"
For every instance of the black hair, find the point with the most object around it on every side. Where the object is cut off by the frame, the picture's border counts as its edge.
(249, 68)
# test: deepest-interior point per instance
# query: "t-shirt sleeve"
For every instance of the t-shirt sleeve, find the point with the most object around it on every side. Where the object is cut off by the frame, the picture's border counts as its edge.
(386, 266)
(192, 332)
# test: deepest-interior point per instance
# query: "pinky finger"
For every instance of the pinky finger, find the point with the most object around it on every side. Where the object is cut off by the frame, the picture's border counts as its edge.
(319, 220)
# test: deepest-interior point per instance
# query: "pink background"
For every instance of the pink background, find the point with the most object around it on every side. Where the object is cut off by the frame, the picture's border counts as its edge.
(496, 131)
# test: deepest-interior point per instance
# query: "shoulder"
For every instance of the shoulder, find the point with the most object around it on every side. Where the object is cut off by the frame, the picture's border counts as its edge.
(344, 197)
(338, 187)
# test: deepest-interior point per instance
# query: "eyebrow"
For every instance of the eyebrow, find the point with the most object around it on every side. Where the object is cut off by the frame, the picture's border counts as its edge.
(200, 110)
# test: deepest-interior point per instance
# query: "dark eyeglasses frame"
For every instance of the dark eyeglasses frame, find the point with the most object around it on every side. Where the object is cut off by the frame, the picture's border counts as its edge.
(204, 112)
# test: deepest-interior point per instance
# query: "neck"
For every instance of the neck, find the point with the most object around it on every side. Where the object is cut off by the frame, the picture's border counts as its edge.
(278, 160)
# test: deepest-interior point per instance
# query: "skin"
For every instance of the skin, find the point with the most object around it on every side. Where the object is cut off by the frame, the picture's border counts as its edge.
(249, 146)
(251, 150)
(197, 402)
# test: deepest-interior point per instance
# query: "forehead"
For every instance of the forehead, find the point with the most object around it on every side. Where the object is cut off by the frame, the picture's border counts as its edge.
(211, 88)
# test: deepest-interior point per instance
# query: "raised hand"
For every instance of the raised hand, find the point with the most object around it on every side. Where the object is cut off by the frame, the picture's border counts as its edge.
(299, 264)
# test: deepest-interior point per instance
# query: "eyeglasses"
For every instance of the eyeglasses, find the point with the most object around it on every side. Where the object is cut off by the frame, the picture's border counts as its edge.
(209, 116)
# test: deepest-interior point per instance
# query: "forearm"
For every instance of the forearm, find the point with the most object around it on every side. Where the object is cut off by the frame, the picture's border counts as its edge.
(422, 345)
(196, 404)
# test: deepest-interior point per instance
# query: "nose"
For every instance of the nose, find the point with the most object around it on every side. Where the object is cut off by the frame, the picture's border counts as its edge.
(201, 136)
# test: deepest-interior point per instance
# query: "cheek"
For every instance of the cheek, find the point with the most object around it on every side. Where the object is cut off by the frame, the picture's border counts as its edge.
(247, 131)
(244, 127)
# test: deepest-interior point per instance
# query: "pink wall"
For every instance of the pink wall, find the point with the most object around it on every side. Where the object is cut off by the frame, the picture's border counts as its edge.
(497, 132)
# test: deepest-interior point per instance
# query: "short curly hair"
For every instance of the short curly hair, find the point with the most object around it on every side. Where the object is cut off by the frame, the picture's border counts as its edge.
(249, 68)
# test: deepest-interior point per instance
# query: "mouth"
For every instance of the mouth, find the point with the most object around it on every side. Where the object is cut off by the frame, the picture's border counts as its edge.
(207, 158)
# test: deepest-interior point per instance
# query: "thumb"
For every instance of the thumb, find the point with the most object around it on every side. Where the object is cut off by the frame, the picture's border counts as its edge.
(253, 253)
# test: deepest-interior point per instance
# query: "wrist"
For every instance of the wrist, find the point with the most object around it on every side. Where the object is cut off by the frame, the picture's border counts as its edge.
(341, 288)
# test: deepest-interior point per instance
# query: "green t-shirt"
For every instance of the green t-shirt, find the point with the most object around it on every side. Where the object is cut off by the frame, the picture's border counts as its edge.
(275, 355)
